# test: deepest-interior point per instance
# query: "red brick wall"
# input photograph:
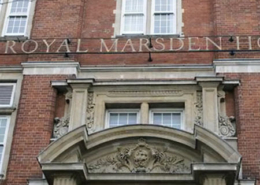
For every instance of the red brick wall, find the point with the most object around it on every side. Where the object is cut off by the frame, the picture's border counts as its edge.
(33, 128)
(94, 19)
(247, 106)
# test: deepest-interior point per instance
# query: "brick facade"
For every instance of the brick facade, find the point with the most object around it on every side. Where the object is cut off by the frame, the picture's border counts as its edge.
(94, 19)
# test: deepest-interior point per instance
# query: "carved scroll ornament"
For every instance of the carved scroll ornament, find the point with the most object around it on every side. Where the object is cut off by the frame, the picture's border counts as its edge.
(140, 159)
(226, 127)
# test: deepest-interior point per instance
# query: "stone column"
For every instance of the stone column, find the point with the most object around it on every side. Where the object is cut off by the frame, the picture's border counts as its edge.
(79, 105)
(144, 113)
(65, 179)
(210, 105)
(214, 179)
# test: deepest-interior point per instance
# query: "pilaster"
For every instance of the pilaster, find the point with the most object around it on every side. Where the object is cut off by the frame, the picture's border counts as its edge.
(79, 105)
(144, 113)
(210, 103)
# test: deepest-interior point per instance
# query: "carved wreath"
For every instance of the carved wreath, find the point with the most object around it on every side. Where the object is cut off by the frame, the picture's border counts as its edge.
(141, 159)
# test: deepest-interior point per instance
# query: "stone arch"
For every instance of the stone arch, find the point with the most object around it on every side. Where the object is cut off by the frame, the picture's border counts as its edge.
(137, 151)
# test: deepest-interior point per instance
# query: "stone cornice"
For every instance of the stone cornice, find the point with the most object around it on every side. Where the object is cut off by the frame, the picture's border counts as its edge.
(146, 68)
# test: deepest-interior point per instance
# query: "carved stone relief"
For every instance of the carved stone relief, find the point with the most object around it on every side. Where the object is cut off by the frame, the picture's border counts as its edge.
(90, 113)
(141, 158)
(227, 126)
(199, 110)
(61, 126)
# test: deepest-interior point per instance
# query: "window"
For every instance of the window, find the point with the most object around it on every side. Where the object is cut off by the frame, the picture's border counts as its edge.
(16, 17)
(167, 117)
(164, 17)
(133, 16)
(4, 123)
(119, 117)
(6, 94)
(158, 17)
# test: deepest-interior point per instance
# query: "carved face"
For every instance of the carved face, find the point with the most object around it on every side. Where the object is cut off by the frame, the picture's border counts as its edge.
(141, 158)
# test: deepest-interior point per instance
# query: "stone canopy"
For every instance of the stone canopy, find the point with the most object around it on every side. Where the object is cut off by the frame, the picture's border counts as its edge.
(140, 153)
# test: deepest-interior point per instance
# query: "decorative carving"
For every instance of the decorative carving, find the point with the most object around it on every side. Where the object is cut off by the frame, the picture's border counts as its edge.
(199, 110)
(90, 113)
(147, 93)
(61, 126)
(140, 159)
(226, 126)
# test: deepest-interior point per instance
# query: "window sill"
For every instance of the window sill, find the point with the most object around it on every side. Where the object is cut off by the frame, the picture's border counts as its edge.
(6, 111)
(147, 36)
(13, 38)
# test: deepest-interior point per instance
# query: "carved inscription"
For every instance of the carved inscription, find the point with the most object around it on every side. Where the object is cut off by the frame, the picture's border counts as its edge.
(141, 158)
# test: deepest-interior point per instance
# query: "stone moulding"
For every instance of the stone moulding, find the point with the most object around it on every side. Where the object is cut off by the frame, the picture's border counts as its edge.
(147, 93)
(141, 158)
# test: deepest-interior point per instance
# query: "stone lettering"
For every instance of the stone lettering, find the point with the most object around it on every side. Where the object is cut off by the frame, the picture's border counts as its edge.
(103, 45)
(10, 47)
(48, 45)
(32, 51)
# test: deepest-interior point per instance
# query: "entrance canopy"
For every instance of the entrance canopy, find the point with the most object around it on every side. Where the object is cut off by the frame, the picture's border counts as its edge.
(140, 153)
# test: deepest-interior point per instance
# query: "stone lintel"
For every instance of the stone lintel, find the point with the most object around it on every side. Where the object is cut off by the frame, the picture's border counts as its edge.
(50, 68)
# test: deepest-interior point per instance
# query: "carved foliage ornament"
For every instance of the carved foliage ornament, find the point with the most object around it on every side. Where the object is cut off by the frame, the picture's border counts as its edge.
(140, 159)
(199, 110)
(90, 112)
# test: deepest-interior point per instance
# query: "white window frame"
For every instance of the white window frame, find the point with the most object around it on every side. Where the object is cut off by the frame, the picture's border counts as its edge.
(108, 111)
(174, 18)
(162, 110)
(12, 95)
(8, 15)
(4, 143)
(1, 1)
(122, 32)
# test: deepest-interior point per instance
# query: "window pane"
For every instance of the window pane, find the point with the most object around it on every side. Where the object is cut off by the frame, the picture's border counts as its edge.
(1, 154)
(20, 6)
(157, 118)
(168, 119)
(6, 92)
(113, 119)
(163, 23)
(132, 119)
(16, 24)
(164, 5)
(122, 118)
(3, 124)
(134, 6)
(133, 23)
